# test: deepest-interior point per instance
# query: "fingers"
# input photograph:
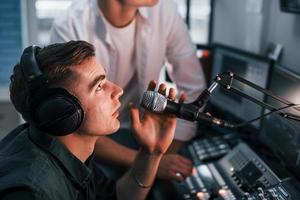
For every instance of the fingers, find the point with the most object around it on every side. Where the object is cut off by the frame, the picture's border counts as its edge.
(182, 97)
(184, 166)
(162, 89)
(178, 177)
(181, 172)
(175, 167)
(172, 94)
(152, 85)
(185, 161)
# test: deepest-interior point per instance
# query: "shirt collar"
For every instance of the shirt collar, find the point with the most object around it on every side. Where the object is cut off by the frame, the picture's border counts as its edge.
(144, 12)
(80, 172)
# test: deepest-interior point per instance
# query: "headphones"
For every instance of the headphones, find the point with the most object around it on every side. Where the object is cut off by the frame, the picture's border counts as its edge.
(52, 110)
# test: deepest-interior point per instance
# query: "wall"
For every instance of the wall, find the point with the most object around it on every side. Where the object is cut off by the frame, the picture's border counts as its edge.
(238, 23)
(284, 28)
(254, 24)
(11, 44)
(10, 37)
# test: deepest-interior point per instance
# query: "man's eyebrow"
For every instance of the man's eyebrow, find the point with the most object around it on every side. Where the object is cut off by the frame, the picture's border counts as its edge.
(96, 80)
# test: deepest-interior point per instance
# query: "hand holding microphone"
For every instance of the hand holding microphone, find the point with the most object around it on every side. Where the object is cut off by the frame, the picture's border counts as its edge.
(154, 132)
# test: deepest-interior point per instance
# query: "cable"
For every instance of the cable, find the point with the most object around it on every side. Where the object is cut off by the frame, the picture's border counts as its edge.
(266, 114)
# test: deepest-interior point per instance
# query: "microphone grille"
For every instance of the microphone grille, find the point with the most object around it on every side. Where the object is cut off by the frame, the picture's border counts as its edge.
(153, 101)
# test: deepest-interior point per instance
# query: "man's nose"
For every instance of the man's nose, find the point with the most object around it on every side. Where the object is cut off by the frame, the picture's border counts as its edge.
(117, 91)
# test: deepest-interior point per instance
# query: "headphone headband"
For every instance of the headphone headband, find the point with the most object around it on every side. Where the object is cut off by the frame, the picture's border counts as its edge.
(30, 67)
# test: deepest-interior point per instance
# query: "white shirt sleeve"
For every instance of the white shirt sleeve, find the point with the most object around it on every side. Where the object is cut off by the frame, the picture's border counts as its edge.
(187, 72)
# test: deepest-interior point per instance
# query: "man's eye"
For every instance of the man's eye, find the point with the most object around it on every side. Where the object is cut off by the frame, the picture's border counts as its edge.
(99, 87)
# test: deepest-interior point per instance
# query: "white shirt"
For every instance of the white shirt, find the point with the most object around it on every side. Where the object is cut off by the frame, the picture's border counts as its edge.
(123, 42)
(161, 35)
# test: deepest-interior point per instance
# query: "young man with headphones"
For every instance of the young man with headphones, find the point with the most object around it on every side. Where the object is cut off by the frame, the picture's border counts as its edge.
(134, 39)
(63, 94)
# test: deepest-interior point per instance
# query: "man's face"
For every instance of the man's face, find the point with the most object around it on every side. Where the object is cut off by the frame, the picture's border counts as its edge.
(98, 97)
(139, 3)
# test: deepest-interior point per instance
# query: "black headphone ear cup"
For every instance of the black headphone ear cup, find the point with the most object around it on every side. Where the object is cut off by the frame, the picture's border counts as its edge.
(56, 111)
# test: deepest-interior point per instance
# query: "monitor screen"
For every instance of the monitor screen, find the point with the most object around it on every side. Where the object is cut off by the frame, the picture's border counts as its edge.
(290, 6)
(282, 135)
(284, 83)
(247, 65)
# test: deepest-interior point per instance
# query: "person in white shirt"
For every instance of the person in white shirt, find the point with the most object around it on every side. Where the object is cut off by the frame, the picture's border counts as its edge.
(134, 39)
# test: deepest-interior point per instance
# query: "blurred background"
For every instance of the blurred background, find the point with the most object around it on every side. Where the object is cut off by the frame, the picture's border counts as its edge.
(252, 25)
(25, 22)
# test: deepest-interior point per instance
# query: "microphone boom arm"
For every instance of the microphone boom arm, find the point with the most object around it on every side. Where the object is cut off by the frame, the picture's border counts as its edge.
(225, 80)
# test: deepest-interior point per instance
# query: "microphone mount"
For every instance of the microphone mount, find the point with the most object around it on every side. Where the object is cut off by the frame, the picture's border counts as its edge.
(226, 79)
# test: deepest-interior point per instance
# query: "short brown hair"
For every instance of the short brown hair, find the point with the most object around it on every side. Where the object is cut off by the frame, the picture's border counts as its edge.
(55, 62)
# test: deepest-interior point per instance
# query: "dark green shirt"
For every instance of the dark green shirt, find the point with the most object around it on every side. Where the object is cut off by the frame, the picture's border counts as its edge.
(34, 165)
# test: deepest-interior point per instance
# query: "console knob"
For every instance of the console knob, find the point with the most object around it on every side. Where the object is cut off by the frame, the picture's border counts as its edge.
(274, 196)
(260, 190)
(261, 196)
(202, 195)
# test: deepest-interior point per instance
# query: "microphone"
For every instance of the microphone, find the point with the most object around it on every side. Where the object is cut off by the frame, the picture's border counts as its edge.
(157, 102)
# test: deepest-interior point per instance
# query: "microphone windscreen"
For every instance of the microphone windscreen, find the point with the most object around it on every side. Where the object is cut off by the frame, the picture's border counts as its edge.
(153, 101)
